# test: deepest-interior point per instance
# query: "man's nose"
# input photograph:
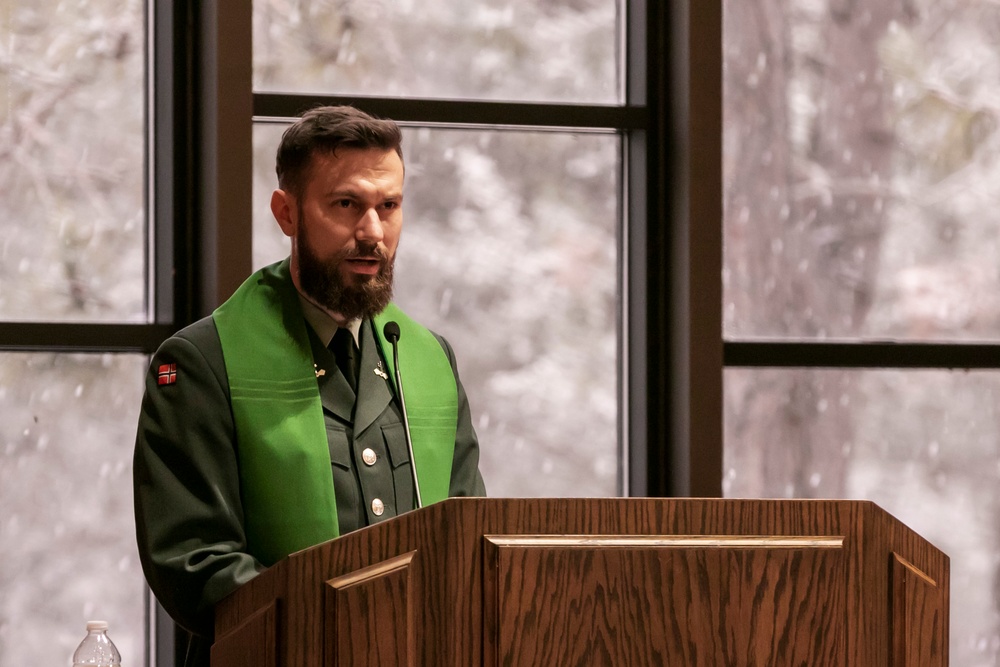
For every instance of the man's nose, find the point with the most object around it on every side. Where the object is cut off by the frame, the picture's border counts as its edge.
(369, 227)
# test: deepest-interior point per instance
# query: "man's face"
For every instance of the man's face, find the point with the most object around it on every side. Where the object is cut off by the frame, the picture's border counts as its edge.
(345, 228)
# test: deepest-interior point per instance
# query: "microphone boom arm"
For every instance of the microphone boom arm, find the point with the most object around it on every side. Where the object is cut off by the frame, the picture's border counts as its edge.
(391, 333)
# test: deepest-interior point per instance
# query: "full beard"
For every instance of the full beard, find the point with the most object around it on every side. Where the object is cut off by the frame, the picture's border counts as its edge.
(323, 281)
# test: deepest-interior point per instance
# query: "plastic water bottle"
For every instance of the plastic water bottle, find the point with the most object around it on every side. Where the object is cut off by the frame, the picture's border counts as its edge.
(96, 648)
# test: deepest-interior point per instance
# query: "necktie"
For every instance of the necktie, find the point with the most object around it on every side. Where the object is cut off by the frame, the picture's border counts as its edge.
(345, 351)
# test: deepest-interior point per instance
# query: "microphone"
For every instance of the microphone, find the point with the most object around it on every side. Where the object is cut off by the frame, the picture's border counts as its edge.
(391, 333)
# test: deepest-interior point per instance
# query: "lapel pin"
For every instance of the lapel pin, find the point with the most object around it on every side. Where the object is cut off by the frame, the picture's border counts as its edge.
(381, 373)
(319, 371)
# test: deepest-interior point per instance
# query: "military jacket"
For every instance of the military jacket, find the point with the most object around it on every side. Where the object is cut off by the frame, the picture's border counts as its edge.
(189, 517)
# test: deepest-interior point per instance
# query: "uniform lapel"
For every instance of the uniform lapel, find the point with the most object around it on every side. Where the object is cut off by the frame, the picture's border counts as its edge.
(334, 392)
(373, 390)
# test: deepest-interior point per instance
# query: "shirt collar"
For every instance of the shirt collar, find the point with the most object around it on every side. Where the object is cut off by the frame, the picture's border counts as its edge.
(324, 325)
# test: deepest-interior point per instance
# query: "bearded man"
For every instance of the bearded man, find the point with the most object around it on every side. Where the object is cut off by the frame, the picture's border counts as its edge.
(275, 424)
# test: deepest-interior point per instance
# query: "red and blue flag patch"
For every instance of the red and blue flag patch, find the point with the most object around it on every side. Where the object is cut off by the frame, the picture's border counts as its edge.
(166, 374)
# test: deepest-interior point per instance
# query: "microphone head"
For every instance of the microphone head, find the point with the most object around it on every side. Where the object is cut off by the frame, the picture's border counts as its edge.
(391, 331)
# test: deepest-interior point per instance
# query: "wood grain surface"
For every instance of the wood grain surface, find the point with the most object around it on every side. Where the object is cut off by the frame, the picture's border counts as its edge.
(369, 616)
(917, 616)
(674, 581)
(686, 601)
(252, 643)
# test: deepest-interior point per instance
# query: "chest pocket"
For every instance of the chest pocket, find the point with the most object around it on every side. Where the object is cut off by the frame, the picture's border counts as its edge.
(338, 441)
(394, 436)
(395, 442)
(350, 509)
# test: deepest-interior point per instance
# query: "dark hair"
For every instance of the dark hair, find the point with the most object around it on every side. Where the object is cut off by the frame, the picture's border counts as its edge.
(324, 130)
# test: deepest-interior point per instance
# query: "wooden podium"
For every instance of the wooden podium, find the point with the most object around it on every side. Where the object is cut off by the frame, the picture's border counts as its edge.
(585, 582)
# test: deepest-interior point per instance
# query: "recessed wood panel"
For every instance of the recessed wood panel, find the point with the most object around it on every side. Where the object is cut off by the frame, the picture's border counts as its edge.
(692, 601)
(369, 616)
(253, 643)
(918, 616)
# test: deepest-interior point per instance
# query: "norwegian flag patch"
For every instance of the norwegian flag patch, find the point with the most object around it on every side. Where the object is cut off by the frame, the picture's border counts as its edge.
(166, 374)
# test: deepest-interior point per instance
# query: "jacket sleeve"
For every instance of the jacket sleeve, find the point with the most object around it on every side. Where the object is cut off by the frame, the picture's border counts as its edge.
(188, 513)
(466, 479)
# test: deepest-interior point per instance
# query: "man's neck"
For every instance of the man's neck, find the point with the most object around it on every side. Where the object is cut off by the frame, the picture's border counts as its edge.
(325, 322)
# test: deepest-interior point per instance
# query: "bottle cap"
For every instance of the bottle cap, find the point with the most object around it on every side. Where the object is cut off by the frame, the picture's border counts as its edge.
(96, 625)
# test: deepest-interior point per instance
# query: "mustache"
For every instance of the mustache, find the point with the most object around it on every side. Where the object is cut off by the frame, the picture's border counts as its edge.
(364, 250)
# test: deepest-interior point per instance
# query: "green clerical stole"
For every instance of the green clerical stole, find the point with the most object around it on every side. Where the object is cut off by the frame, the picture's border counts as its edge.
(285, 477)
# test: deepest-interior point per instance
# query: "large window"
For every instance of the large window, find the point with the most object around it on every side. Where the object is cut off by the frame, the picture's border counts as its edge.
(513, 50)
(861, 273)
(72, 274)
(512, 245)
(72, 140)
(510, 250)
(67, 538)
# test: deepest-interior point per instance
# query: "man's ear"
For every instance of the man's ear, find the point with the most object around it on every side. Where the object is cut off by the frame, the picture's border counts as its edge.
(285, 211)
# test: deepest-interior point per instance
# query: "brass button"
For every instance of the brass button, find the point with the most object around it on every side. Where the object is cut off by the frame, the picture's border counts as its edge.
(378, 507)
(368, 456)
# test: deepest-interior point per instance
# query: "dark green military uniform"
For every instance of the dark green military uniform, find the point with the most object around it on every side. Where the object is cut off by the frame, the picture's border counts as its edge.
(189, 516)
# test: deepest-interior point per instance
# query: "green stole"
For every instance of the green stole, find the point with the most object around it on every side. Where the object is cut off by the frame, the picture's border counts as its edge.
(286, 482)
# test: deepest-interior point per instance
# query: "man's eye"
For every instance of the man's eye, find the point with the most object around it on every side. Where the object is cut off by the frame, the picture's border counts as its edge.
(391, 205)
(343, 203)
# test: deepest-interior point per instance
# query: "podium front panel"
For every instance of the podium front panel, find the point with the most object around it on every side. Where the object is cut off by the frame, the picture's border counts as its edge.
(691, 582)
(369, 616)
(658, 600)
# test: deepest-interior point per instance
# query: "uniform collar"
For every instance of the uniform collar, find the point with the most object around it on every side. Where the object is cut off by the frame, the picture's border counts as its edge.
(324, 325)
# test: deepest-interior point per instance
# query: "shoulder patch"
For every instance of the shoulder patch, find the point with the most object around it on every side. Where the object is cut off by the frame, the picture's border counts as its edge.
(166, 374)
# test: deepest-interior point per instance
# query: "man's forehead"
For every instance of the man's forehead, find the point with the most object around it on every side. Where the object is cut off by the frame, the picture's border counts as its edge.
(355, 165)
(350, 156)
